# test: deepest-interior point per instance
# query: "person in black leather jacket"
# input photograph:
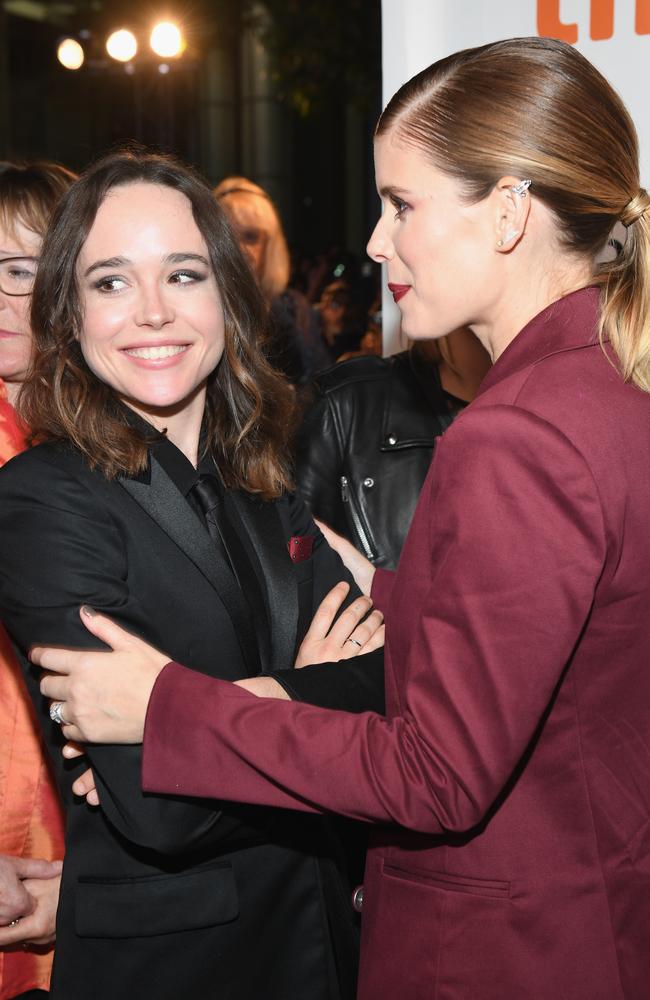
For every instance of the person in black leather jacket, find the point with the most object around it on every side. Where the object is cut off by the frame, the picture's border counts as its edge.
(366, 440)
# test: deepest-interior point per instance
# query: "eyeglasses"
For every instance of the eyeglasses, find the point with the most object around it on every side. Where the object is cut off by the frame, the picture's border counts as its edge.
(17, 275)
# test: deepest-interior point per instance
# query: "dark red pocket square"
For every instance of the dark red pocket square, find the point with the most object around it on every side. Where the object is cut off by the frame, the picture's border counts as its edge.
(300, 547)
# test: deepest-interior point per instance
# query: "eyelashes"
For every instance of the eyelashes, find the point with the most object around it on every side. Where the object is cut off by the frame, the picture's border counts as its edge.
(400, 206)
(112, 283)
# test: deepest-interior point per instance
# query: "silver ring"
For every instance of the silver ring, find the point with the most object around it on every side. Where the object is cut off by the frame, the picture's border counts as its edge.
(14, 923)
(355, 641)
(56, 709)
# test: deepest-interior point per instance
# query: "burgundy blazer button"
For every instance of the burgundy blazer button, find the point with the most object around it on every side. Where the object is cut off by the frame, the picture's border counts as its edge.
(357, 899)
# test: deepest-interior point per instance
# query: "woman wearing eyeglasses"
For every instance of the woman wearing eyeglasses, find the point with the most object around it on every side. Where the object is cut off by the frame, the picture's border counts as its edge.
(31, 828)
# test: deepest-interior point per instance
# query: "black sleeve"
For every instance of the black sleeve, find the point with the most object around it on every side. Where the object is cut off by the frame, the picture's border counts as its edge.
(355, 685)
(60, 550)
(318, 464)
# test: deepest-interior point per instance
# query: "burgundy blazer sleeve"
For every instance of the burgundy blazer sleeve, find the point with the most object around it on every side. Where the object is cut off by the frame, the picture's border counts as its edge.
(382, 588)
(508, 569)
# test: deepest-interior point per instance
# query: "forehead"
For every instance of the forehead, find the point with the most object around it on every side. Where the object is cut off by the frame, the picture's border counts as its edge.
(17, 239)
(399, 164)
(140, 218)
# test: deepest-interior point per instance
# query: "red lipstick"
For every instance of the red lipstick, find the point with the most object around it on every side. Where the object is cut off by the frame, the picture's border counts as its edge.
(399, 291)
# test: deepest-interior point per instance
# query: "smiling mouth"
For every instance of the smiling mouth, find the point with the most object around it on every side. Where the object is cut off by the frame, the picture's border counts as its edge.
(156, 353)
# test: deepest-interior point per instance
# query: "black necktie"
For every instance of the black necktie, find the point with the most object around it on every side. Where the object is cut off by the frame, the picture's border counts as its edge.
(210, 497)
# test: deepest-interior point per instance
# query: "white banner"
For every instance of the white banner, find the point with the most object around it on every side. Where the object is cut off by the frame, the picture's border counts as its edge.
(613, 34)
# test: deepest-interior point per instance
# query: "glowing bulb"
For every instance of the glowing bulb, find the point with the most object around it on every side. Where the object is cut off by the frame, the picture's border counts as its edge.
(122, 45)
(70, 53)
(167, 40)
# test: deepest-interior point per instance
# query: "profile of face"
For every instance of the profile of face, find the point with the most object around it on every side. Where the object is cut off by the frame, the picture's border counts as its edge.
(439, 250)
(153, 321)
(15, 330)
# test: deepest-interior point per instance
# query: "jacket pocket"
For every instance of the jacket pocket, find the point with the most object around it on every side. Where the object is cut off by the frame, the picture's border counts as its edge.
(155, 904)
(492, 888)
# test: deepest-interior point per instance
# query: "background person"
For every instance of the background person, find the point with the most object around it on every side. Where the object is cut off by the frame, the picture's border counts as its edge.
(295, 346)
(365, 443)
(31, 825)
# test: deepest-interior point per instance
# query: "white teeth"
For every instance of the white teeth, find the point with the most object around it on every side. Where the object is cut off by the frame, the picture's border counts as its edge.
(156, 353)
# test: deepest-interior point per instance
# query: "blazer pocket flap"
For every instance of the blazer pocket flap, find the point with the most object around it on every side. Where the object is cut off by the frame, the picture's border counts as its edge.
(155, 904)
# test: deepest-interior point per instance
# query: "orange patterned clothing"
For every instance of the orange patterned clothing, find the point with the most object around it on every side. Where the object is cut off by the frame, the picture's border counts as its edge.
(31, 823)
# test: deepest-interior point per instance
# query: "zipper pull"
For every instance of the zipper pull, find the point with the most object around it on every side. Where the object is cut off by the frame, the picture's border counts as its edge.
(345, 496)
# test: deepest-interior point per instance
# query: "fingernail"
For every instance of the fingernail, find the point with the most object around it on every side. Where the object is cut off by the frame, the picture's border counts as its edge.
(88, 611)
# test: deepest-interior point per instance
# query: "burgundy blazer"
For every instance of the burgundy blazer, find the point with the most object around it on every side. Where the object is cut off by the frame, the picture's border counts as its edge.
(511, 777)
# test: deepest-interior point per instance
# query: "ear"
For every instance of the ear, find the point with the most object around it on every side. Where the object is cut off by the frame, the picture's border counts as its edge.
(512, 210)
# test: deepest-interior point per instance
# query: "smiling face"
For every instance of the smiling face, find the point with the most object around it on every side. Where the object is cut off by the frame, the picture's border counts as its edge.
(15, 330)
(438, 249)
(153, 322)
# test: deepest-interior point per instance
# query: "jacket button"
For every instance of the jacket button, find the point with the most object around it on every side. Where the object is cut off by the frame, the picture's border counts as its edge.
(369, 482)
(391, 439)
(357, 899)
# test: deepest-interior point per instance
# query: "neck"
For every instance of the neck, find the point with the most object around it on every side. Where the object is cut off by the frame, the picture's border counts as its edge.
(12, 388)
(181, 424)
(511, 313)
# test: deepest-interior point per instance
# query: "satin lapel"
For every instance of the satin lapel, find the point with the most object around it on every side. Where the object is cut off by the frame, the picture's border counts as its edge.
(163, 502)
(262, 523)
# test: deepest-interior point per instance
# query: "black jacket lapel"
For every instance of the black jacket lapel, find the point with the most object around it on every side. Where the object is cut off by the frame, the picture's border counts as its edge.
(269, 548)
(163, 502)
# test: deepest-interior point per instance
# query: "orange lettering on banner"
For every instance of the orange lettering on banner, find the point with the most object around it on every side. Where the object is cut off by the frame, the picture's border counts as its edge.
(642, 18)
(601, 24)
(549, 24)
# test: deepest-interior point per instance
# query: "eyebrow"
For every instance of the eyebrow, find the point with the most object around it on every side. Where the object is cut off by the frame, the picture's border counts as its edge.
(387, 191)
(172, 258)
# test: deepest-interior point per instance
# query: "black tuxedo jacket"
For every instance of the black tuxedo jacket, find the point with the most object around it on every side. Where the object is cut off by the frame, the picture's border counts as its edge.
(163, 896)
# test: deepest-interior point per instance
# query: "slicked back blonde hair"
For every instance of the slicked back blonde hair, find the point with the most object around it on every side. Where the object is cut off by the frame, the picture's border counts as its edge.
(247, 204)
(536, 108)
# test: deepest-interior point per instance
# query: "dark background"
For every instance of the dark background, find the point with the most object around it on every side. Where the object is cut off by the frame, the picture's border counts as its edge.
(287, 95)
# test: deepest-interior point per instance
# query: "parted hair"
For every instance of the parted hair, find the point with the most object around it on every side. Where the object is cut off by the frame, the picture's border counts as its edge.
(536, 108)
(29, 192)
(248, 404)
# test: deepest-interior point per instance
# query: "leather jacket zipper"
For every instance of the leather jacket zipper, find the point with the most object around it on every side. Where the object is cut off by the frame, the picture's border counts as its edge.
(346, 497)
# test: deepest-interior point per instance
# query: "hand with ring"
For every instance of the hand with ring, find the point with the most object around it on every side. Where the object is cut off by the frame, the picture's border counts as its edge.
(357, 630)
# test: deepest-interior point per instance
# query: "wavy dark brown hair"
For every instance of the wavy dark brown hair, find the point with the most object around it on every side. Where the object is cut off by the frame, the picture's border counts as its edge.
(249, 405)
(536, 108)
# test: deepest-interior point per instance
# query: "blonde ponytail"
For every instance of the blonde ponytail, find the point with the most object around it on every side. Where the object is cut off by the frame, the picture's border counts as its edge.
(625, 297)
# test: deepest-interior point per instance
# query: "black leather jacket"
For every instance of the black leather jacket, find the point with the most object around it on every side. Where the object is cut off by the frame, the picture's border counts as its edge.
(365, 447)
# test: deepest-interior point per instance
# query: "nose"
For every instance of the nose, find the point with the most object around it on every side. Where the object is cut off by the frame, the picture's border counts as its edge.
(380, 247)
(154, 307)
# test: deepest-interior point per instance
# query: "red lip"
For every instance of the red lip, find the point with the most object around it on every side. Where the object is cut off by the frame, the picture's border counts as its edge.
(399, 291)
(9, 333)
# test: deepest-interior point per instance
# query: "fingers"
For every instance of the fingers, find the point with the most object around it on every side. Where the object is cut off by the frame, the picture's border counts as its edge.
(72, 750)
(365, 637)
(327, 611)
(36, 868)
(63, 661)
(84, 786)
(344, 627)
(55, 687)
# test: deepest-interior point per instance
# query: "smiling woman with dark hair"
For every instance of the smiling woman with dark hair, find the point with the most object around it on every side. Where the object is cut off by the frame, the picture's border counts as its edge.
(159, 489)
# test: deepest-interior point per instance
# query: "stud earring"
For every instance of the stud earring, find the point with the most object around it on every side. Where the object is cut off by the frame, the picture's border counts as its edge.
(521, 187)
(510, 235)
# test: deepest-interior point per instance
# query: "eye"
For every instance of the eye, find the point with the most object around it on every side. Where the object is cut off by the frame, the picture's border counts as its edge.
(186, 277)
(399, 205)
(112, 283)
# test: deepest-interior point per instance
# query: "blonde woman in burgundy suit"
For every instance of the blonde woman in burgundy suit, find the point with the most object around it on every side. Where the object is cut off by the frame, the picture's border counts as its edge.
(510, 781)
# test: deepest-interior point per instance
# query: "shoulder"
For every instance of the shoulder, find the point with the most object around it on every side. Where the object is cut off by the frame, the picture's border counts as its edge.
(57, 475)
(344, 374)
